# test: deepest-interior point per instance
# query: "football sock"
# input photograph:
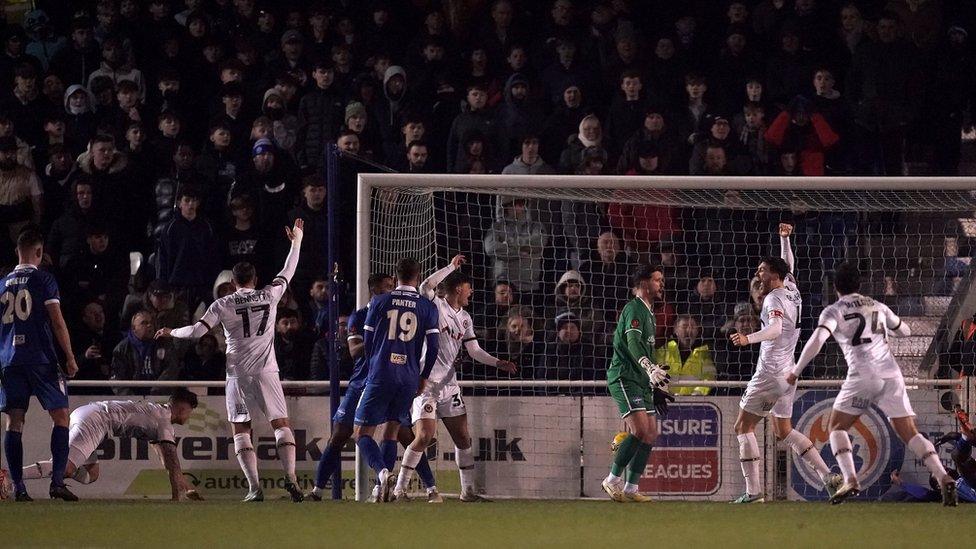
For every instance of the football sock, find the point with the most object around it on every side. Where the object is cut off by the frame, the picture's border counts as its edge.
(329, 463)
(749, 461)
(285, 441)
(613, 479)
(465, 462)
(630, 488)
(625, 452)
(409, 464)
(81, 476)
(639, 463)
(41, 469)
(371, 452)
(248, 460)
(13, 449)
(923, 448)
(803, 447)
(424, 472)
(59, 454)
(389, 450)
(840, 443)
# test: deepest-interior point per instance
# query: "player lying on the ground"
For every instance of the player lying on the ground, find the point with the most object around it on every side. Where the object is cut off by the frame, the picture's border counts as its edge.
(342, 421)
(30, 325)
(768, 391)
(149, 421)
(248, 317)
(441, 397)
(635, 383)
(397, 327)
(861, 325)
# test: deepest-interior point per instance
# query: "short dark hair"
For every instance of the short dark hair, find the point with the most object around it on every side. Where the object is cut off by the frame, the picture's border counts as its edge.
(375, 280)
(777, 265)
(189, 191)
(407, 269)
(102, 137)
(416, 143)
(127, 86)
(847, 278)
(244, 273)
(30, 237)
(454, 280)
(643, 272)
(183, 395)
(285, 312)
(630, 73)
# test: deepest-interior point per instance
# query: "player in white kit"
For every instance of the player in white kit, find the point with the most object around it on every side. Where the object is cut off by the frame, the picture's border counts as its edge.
(248, 317)
(441, 395)
(92, 423)
(861, 325)
(768, 391)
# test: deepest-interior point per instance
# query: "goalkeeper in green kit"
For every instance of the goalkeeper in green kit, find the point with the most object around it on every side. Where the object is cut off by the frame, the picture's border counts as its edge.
(637, 385)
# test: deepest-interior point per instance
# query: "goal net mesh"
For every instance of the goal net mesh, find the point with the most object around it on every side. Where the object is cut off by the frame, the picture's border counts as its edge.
(550, 268)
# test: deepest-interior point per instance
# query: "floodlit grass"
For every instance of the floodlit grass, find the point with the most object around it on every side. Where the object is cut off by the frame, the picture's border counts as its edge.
(505, 524)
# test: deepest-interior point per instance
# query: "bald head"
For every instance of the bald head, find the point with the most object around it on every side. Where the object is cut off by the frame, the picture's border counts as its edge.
(608, 245)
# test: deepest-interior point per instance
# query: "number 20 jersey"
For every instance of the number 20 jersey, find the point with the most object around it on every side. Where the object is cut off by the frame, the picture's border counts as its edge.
(248, 316)
(25, 329)
(859, 325)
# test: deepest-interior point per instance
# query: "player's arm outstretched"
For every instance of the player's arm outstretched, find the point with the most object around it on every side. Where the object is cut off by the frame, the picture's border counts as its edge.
(294, 234)
(171, 460)
(428, 288)
(786, 249)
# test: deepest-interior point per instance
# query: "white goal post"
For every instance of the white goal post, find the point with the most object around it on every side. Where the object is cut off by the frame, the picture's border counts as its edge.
(909, 235)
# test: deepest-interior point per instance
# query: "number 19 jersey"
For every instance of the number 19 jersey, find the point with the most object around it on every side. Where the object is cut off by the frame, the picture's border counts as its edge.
(400, 322)
(248, 316)
(859, 325)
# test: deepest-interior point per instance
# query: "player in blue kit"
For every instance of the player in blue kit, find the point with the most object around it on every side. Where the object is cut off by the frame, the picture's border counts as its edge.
(30, 322)
(397, 326)
(342, 421)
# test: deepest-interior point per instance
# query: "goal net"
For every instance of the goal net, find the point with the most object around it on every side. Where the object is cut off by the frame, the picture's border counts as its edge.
(550, 257)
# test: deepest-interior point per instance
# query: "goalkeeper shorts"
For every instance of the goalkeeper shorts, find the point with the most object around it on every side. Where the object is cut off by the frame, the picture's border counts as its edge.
(631, 397)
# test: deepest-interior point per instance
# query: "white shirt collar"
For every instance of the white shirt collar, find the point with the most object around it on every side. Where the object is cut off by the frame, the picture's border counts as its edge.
(407, 288)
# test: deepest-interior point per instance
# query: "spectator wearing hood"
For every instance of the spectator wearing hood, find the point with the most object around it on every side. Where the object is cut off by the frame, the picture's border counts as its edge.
(80, 122)
(590, 135)
(688, 356)
(562, 123)
(516, 243)
(141, 357)
(320, 114)
(797, 128)
(396, 101)
(571, 296)
(474, 117)
(529, 162)
(517, 115)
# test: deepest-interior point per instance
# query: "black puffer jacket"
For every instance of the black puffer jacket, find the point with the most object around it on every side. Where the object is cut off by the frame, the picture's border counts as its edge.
(319, 117)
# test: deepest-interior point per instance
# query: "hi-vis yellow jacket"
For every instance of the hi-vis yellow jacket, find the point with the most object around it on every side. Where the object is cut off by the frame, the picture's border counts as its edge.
(698, 366)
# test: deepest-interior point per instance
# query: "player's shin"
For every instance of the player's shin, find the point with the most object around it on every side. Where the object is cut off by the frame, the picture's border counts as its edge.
(465, 462)
(13, 450)
(749, 460)
(285, 442)
(411, 458)
(371, 451)
(248, 459)
(389, 449)
(59, 454)
(40, 469)
(840, 443)
(805, 449)
(635, 470)
(328, 465)
(425, 474)
(925, 451)
(625, 452)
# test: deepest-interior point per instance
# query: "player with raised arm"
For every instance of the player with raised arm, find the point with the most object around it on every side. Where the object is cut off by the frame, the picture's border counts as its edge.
(149, 421)
(861, 325)
(30, 323)
(342, 421)
(768, 391)
(397, 327)
(248, 318)
(441, 398)
(636, 384)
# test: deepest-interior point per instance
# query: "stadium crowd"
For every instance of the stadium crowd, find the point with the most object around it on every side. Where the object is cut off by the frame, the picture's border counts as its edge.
(193, 132)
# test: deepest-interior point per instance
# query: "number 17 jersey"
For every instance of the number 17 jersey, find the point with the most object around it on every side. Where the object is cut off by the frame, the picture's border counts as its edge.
(248, 316)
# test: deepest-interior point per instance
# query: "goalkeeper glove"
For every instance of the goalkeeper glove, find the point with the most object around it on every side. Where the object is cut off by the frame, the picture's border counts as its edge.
(657, 374)
(661, 400)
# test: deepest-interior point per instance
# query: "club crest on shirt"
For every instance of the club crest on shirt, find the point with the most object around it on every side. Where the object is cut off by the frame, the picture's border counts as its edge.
(635, 323)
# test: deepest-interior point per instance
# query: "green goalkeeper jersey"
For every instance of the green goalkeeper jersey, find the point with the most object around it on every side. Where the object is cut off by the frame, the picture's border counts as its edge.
(632, 339)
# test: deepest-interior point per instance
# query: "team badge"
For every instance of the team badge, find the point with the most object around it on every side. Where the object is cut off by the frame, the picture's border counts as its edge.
(635, 323)
(428, 408)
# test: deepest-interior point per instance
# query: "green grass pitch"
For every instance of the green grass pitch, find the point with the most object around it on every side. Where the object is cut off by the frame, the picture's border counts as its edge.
(591, 524)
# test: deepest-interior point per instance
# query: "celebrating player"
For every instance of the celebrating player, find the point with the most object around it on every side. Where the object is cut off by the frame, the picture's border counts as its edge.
(29, 363)
(767, 390)
(441, 398)
(342, 421)
(92, 423)
(248, 317)
(397, 326)
(861, 325)
(635, 383)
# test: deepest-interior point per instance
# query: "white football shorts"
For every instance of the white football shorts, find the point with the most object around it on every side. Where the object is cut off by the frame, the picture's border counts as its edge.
(263, 392)
(767, 394)
(858, 394)
(445, 402)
